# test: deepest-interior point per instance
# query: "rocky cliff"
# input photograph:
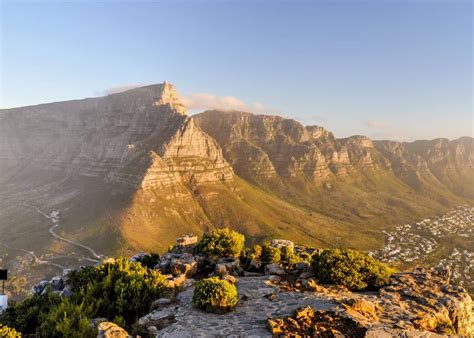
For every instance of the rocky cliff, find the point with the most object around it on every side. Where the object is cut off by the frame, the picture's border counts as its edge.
(131, 171)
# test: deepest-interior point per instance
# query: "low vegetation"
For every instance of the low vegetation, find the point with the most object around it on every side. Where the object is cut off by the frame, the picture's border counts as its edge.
(270, 255)
(121, 291)
(350, 268)
(221, 243)
(8, 332)
(215, 295)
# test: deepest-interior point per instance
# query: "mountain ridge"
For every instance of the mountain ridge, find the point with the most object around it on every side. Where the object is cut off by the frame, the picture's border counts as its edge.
(131, 171)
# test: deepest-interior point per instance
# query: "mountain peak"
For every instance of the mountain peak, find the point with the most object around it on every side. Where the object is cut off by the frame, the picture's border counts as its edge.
(163, 94)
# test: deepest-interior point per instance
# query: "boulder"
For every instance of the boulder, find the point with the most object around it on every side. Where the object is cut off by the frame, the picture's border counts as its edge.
(66, 292)
(231, 264)
(186, 240)
(159, 318)
(274, 269)
(138, 257)
(280, 243)
(38, 289)
(111, 330)
(185, 263)
(57, 283)
(177, 281)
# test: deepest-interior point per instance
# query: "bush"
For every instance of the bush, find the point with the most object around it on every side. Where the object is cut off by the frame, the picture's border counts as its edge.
(289, 257)
(350, 268)
(215, 295)
(120, 289)
(67, 320)
(270, 255)
(27, 315)
(221, 243)
(8, 332)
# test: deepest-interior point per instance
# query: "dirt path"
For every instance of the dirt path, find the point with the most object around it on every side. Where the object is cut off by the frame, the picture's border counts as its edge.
(54, 217)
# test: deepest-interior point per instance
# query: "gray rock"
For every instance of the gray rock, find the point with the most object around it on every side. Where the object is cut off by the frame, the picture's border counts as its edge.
(57, 283)
(274, 269)
(231, 264)
(66, 292)
(160, 303)
(38, 289)
(185, 263)
(138, 257)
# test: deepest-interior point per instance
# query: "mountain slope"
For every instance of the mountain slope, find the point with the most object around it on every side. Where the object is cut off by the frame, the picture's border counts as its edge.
(353, 179)
(131, 171)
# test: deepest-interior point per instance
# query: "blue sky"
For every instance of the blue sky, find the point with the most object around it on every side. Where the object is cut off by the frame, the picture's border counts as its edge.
(386, 69)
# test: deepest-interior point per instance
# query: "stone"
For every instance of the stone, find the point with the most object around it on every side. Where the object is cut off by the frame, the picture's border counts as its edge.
(160, 302)
(96, 321)
(274, 269)
(159, 318)
(229, 278)
(231, 264)
(111, 330)
(186, 240)
(364, 307)
(280, 243)
(274, 278)
(38, 289)
(138, 257)
(311, 285)
(177, 281)
(57, 283)
(66, 292)
(184, 263)
(306, 275)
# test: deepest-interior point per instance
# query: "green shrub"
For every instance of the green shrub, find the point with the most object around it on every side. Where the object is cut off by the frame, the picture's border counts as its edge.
(350, 268)
(289, 257)
(67, 320)
(27, 315)
(215, 295)
(270, 255)
(221, 243)
(8, 332)
(120, 289)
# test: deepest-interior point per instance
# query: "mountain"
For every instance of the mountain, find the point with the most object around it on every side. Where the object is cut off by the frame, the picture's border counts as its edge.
(131, 171)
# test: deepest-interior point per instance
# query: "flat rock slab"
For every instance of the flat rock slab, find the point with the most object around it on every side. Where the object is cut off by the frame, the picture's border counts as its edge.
(249, 318)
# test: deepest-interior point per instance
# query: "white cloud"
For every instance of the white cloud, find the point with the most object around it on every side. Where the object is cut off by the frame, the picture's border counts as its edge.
(205, 101)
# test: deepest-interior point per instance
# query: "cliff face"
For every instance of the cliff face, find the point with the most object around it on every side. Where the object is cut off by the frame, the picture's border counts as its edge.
(131, 170)
(272, 145)
(116, 137)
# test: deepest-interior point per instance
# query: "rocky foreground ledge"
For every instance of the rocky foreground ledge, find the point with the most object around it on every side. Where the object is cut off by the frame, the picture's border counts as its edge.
(282, 302)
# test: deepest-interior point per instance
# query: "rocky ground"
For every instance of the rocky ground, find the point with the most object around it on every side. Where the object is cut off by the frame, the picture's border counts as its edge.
(421, 303)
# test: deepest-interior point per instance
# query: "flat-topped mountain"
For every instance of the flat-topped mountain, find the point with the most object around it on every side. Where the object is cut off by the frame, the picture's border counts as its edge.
(129, 170)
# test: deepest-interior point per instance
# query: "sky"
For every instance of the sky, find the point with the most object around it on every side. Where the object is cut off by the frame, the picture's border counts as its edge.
(388, 69)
